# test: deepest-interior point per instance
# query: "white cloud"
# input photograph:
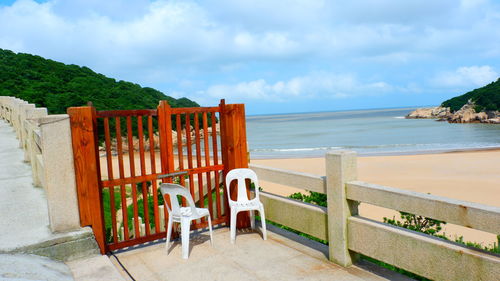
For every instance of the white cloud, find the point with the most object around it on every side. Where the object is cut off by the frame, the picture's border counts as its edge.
(243, 49)
(228, 32)
(467, 76)
(312, 86)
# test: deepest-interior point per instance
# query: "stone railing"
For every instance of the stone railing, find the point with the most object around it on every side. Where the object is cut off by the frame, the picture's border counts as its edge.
(46, 141)
(350, 234)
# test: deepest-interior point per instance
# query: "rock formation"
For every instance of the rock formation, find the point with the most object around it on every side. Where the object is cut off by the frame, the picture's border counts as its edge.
(466, 114)
(437, 112)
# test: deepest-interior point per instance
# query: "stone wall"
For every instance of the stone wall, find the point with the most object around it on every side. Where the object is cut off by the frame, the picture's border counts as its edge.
(46, 141)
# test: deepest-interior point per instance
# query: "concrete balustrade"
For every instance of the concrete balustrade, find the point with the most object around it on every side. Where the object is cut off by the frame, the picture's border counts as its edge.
(46, 141)
(307, 218)
(350, 234)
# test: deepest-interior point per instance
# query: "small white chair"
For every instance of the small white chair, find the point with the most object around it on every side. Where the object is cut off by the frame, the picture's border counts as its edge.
(184, 215)
(243, 203)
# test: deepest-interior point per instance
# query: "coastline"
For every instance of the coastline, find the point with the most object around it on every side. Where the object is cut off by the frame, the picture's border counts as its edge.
(388, 153)
(469, 175)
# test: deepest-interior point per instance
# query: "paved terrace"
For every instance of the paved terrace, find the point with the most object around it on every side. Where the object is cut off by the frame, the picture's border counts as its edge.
(283, 256)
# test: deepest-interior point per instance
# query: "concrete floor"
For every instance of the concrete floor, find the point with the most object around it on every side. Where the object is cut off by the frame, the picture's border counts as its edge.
(24, 225)
(250, 258)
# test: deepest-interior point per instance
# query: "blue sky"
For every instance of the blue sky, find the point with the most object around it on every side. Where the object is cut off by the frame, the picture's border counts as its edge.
(274, 56)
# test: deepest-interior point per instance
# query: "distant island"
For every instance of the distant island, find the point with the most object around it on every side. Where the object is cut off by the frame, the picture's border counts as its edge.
(481, 105)
(57, 86)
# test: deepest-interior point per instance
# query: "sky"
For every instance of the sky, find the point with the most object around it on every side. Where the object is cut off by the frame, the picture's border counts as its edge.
(274, 56)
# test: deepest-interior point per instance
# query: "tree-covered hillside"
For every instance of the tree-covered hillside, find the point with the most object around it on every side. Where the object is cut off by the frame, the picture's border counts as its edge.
(57, 86)
(485, 98)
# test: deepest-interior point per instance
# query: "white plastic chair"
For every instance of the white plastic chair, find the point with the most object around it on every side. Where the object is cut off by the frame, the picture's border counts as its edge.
(243, 203)
(184, 215)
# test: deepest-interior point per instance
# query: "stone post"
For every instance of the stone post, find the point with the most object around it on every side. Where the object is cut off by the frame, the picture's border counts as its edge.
(340, 168)
(23, 111)
(16, 117)
(30, 123)
(60, 186)
(32, 150)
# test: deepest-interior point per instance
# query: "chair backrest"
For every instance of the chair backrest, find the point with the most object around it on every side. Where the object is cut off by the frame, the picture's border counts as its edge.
(173, 190)
(241, 175)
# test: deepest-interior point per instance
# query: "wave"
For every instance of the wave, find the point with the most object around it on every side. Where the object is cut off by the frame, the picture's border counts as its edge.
(382, 147)
(293, 149)
(399, 117)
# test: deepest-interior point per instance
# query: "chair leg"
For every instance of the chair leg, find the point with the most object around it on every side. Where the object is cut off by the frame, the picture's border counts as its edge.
(263, 221)
(233, 225)
(252, 219)
(169, 232)
(185, 227)
(210, 230)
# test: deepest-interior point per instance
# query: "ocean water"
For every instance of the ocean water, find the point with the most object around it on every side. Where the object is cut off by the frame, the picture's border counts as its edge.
(368, 132)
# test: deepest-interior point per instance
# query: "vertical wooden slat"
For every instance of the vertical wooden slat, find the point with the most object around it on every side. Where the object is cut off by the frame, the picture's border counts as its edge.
(236, 149)
(163, 138)
(87, 171)
(111, 189)
(198, 162)
(224, 155)
(151, 144)
(166, 149)
(216, 162)
(180, 153)
(145, 199)
(153, 171)
(207, 162)
(189, 152)
(130, 146)
(123, 191)
(132, 174)
(136, 210)
(165, 128)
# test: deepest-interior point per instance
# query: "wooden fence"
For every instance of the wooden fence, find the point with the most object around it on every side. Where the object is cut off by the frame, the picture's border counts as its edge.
(122, 156)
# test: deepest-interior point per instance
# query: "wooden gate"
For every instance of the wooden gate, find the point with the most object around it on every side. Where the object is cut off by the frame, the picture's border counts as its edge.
(121, 157)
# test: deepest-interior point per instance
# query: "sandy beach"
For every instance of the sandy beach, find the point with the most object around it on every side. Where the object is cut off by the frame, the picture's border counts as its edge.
(471, 176)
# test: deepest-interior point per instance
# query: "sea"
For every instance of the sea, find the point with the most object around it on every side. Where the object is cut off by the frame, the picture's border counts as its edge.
(368, 132)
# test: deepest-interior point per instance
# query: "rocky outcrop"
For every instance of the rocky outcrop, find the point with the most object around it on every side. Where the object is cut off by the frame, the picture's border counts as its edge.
(437, 112)
(156, 140)
(466, 114)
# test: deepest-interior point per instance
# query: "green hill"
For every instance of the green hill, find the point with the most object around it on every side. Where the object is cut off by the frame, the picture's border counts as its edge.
(485, 98)
(57, 86)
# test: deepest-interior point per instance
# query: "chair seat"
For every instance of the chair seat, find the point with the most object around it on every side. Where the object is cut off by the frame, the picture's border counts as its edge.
(186, 212)
(252, 204)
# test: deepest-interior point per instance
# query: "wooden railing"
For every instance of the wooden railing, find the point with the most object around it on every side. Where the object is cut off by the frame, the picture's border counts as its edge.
(350, 234)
